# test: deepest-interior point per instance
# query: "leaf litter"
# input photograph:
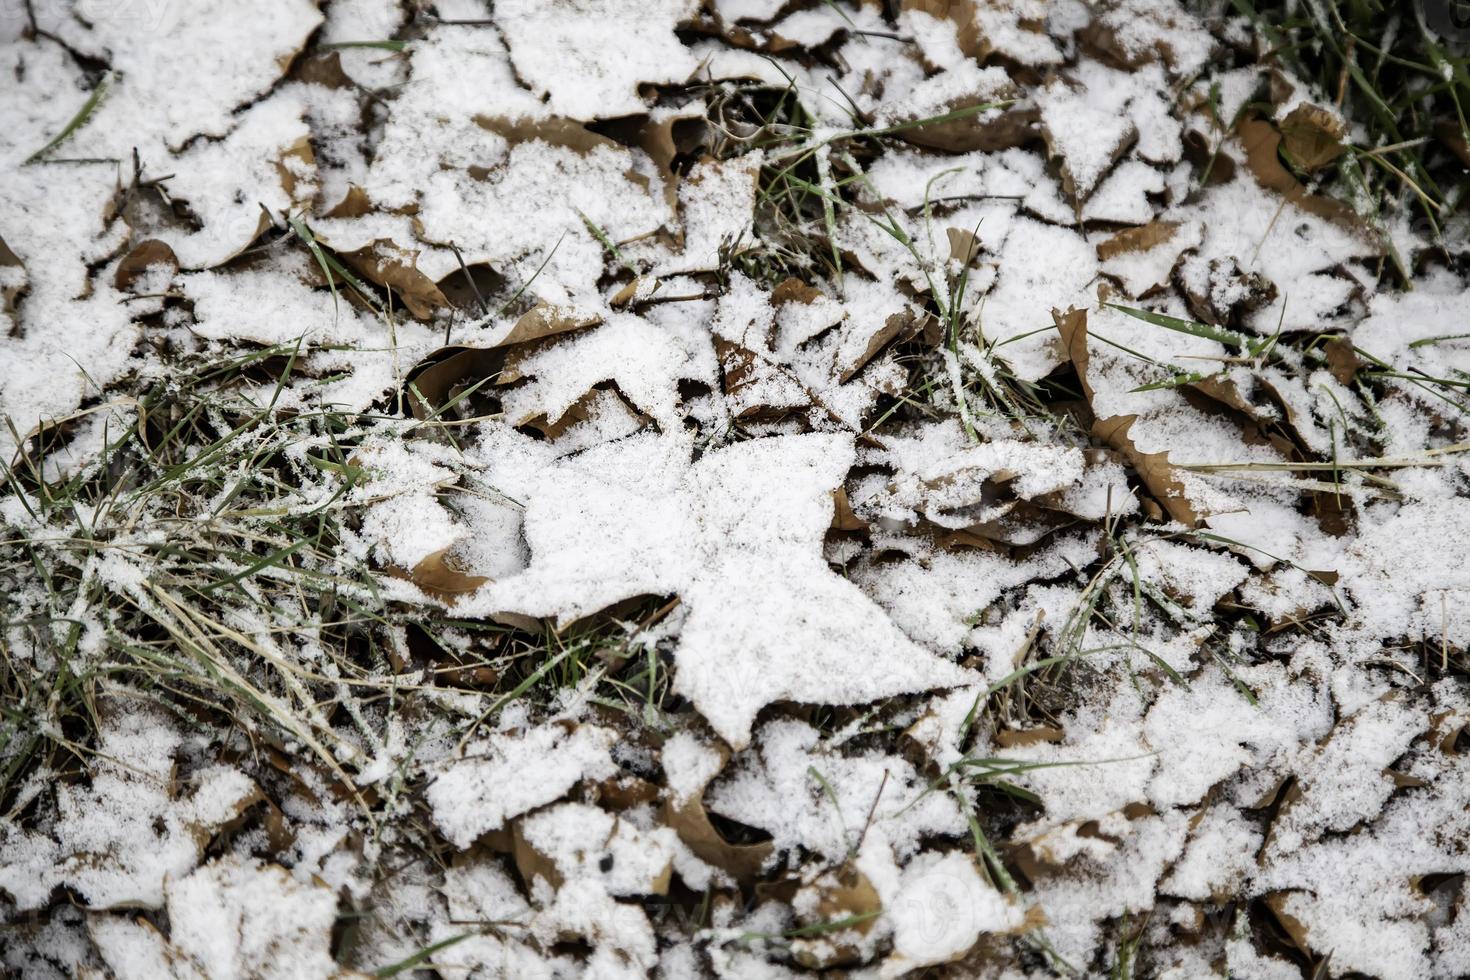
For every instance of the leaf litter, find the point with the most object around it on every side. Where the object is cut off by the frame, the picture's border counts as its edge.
(731, 489)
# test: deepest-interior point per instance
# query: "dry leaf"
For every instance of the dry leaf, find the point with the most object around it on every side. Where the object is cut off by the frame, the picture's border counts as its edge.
(843, 518)
(354, 204)
(841, 895)
(1342, 360)
(556, 131)
(13, 280)
(1153, 468)
(1140, 239)
(1008, 738)
(895, 326)
(143, 256)
(436, 380)
(546, 320)
(1311, 137)
(964, 246)
(438, 575)
(1262, 142)
(1011, 128)
(961, 13)
(430, 385)
(690, 820)
(395, 268)
(1452, 136)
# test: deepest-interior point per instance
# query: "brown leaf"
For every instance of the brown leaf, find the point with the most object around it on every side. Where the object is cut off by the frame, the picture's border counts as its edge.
(142, 256)
(431, 385)
(1311, 137)
(324, 69)
(531, 863)
(691, 822)
(1295, 929)
(625, 792)
(296, 158)
(10, 290)
(566, 133)
(354, 204)
(896, 325)
(793, 290)
(1152, 468)
(636, 291)
(1140, 239)
(843, 518)
(961, 13)
(437, 575)
(664, 139)
(1008, 738)
(843, 895)
(964, 246)
(396, 269)
(546, 320)
(1342, 360)
(438, 377)
(1262, 142)
(1452, 136)
(1013, 127)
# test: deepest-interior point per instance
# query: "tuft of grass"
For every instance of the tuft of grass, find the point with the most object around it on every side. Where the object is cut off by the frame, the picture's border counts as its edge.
(198, 549)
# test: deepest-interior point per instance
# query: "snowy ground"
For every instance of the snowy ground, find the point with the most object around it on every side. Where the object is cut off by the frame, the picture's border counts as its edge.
(624, 488)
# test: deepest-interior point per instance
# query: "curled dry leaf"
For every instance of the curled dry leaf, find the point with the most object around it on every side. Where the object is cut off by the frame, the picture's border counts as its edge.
(1311, 137)
(1153, 469)
(690, 820)
(1140, 239)
(964, 246)
(439, 575)
(143, 256)
(396, 269)
(12, 279)
(436, 380)
(843, 904)
(1262, 143)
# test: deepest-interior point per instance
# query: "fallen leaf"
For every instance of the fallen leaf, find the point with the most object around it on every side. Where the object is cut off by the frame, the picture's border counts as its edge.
(1153, 468)
(843, 519)
(1262, 142)
(1311, 137)
(438, 575)
(13, 280)
(143, 256)
(395, 269)
(975, 131)
(837, 902)
(1140, 239)
(1342, 359)
(690, 820)
(750, 518)
(232, 917)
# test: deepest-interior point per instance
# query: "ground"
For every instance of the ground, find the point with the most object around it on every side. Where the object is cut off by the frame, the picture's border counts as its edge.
(740, 488)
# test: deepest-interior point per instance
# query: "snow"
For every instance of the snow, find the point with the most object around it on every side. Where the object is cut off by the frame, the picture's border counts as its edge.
(507, 774)
(806, 557)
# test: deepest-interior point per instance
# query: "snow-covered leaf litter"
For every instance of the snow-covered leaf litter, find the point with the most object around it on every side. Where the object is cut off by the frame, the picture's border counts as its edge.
(990, 627)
